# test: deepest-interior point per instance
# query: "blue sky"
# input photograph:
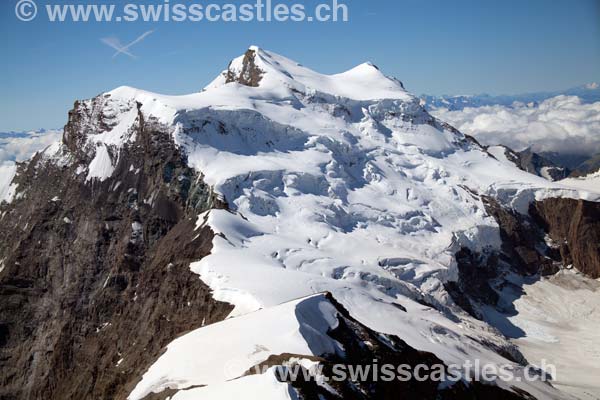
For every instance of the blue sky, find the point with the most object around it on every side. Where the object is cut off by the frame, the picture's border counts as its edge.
(433, 46)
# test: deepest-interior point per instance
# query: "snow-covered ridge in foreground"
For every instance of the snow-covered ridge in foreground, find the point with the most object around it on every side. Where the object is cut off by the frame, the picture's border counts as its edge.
(302, 331)
(339, 183)
(299, 327)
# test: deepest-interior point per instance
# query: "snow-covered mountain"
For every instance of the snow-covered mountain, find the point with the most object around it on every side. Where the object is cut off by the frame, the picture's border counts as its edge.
(326, 219)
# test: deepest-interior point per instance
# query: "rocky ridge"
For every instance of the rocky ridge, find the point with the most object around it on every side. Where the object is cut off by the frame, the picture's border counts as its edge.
(95, 278)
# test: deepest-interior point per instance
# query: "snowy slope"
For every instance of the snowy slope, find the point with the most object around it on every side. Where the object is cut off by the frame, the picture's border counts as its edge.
(340, 183)
(281, 73)
(561, 318)
(589, 182)
(299, 327)
(7, 173)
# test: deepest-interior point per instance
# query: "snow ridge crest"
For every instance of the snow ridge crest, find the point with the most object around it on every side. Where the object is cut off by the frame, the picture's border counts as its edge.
(261, 68)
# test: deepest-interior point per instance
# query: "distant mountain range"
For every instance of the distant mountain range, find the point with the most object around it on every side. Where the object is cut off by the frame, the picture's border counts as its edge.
(589, 93)
(26, 134)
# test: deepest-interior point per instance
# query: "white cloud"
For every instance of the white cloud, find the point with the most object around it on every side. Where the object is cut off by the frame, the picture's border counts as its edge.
(21, 146)
(563, 124)
(115, 43)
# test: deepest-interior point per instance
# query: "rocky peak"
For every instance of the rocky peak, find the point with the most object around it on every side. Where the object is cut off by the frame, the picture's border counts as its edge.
(248, 73)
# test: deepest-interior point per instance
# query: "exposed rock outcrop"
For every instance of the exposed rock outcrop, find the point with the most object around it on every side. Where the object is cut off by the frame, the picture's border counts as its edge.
(524, 251)
(535, 163)
(557, 233)
(523, 244)
(249, 75)
(574, 225)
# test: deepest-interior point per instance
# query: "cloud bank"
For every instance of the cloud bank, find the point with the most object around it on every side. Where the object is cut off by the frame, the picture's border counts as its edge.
(560, 124)
(20, 146)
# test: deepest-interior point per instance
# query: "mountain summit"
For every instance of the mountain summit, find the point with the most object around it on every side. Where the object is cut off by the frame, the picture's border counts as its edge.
(270, 71)
(169, 245)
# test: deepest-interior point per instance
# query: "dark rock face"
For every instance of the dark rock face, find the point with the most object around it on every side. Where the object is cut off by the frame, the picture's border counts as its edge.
(524, 251)
(250, 75)
(523, 245)
(575, 226)
(84, 118)
(96, 277)
(475, 271)
(572, 225)
(536, 164)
